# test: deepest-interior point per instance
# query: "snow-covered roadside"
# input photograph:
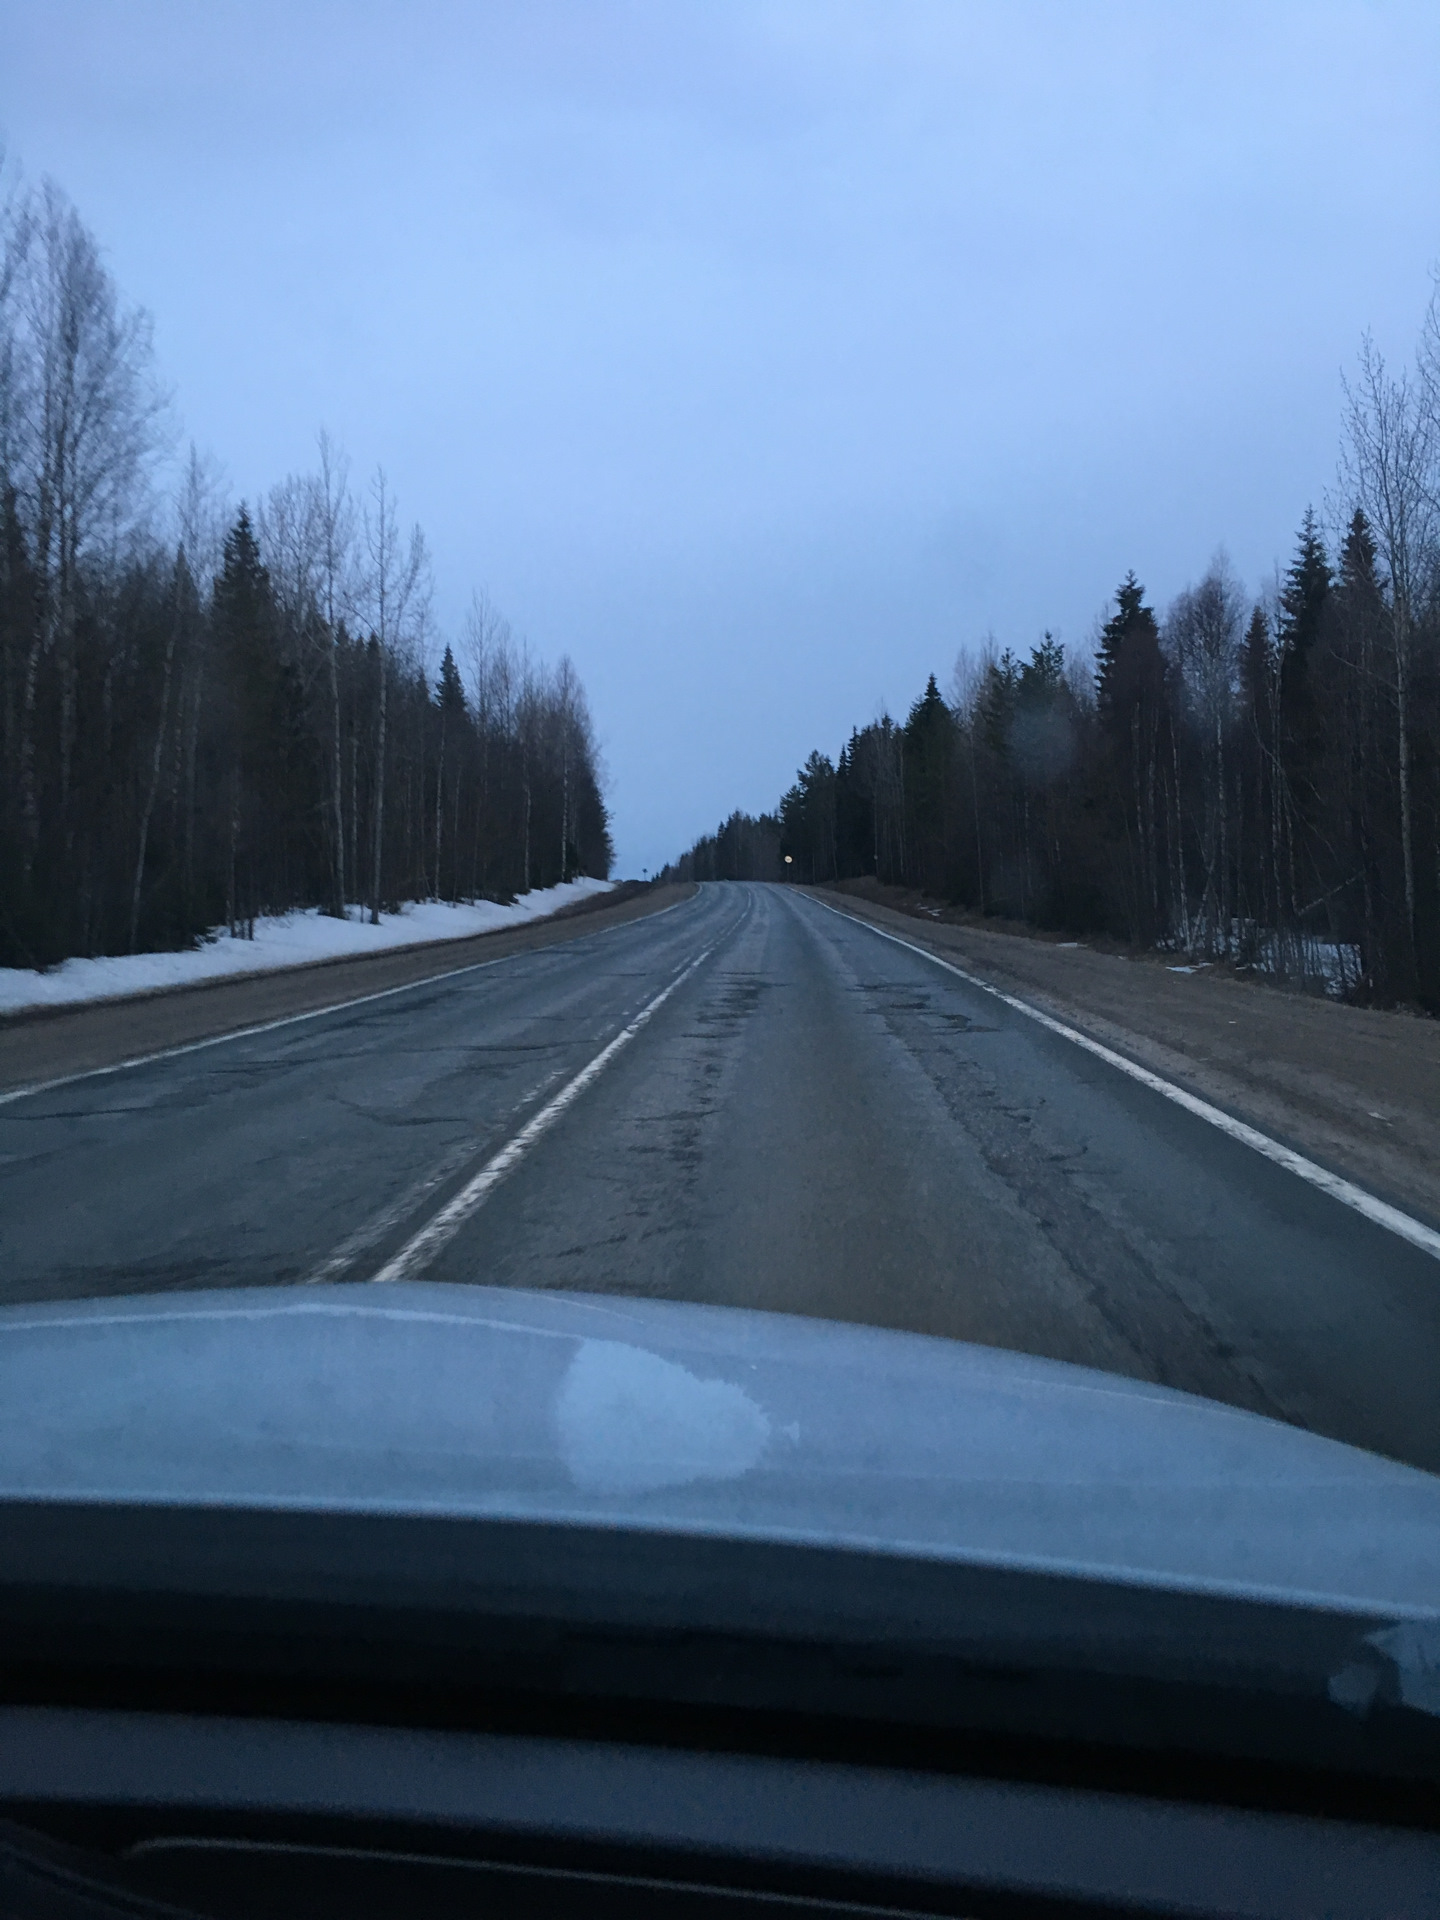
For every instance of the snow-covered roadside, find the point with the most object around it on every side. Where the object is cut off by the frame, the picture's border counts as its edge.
(285, 941)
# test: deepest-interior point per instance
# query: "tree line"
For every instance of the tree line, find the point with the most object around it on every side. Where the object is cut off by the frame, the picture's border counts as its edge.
(210, 714)
(1255, 781)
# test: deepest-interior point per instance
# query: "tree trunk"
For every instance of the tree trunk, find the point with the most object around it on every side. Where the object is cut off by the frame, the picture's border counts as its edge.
(154, 780)
(1402, 726)
(564, 810)
(230, 900)
(336, 780)
(526, 778)
(439, 799)
(354, 806)
(379, 800)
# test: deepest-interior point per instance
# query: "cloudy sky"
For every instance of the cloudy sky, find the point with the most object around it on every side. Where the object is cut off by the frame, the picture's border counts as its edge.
(762, 356)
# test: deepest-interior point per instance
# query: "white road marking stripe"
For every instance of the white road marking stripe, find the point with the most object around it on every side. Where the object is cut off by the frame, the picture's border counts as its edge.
(294, 1019)
(410, 1202)
(1377, 1211)
(240, 1033)
(417, 1253)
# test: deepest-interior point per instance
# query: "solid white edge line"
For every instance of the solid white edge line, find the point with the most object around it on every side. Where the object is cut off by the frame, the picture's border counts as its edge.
(418, 1252)
(1377, 1211)
(294, 1019)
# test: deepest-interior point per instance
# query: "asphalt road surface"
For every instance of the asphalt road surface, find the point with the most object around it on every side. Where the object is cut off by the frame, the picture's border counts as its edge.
(748, 1100)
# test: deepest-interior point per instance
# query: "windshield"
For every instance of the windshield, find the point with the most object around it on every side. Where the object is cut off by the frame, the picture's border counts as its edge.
(664, 667)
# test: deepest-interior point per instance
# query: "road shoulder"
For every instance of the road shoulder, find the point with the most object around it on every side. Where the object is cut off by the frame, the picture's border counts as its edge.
(1357, 1090)
(56, 1043)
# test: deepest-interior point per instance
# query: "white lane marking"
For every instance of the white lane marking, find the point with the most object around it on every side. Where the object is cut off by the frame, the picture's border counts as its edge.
(418, 1252)
(294, 1019)
(240, 1033)
(410, 1202)
(1377, 1211)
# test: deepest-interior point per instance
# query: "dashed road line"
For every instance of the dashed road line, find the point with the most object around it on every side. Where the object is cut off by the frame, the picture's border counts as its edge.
(419, 1251)
(374, 1230)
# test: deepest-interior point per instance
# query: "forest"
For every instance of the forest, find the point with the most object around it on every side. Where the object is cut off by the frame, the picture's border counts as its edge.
(1243, 780)
(211, 713)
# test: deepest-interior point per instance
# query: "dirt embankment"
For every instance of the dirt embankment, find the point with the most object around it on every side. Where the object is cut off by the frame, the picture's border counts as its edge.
(1358, 1090)
(50, 1042)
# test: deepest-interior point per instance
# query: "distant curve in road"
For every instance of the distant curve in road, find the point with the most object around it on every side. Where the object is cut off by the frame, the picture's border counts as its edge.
(813, 1119)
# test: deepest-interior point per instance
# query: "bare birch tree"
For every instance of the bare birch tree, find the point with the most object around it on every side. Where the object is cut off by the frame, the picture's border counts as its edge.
(335, 510)
(202, 512)
(1203, 630)
(17, 221)
(182, 594)
(396, 599)
(88, 421)
(1388, 467)
(568, 701)
(489, 655)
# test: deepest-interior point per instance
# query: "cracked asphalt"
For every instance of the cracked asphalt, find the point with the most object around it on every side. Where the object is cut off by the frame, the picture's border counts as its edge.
(817, 1121)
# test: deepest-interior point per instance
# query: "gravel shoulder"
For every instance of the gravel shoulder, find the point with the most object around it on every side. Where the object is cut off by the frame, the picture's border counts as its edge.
(1357, 1090)
(51, 1043)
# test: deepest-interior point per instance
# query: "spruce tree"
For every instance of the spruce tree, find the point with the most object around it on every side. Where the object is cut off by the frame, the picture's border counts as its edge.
(929, 743)
(1359, 581)
(1130, 670)
(997, 702)
(1304, 600)
(1304, 614)
(449, 689)
(450, 699)
(269, 750)
(1132, 696)
(1372, 777)
(1043, 674)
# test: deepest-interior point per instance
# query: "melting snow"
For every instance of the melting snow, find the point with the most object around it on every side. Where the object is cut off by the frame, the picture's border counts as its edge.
(286, 940)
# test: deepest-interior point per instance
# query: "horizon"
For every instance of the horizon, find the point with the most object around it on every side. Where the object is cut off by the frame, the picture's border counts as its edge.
(762, 363)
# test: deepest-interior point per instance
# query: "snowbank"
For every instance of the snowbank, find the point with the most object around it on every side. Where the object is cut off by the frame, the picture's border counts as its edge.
(285, 941)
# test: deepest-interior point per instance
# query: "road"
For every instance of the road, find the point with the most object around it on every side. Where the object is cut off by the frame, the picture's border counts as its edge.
(748, 1100)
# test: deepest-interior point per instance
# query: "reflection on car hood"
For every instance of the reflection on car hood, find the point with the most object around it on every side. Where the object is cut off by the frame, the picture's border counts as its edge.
(556, 1407)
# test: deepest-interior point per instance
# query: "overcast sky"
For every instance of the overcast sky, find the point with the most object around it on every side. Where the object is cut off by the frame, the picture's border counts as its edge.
(762, 356)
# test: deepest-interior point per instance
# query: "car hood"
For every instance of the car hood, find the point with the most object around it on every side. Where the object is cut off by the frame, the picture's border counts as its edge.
(547, 1407)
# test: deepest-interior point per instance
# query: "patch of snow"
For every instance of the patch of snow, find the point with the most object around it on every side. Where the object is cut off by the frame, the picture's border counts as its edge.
(1303, 959)
(285, 940)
